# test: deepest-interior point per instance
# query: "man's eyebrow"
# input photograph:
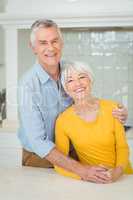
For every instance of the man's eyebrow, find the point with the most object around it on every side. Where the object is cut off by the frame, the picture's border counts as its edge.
(43, 40)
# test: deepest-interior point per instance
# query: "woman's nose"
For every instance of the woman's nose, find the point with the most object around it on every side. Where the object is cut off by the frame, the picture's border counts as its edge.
(78, 83)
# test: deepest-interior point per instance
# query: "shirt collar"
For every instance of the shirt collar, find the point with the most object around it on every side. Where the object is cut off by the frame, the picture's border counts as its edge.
(42, 74)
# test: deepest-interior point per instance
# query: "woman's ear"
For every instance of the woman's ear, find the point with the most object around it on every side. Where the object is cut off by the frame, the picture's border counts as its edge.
(65, 88)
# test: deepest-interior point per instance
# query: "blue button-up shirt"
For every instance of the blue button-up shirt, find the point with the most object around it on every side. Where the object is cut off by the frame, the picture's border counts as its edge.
(40, 100)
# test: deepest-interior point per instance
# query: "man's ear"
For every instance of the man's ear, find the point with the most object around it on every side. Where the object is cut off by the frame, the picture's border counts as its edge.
(62, 44)
(32, 47)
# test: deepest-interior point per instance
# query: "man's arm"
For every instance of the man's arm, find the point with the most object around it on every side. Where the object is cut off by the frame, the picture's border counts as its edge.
(67, 166)
(35, 133)
(85, 172)
(32, 125)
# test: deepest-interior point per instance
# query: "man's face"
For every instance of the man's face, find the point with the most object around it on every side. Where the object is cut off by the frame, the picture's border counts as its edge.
(48, 46)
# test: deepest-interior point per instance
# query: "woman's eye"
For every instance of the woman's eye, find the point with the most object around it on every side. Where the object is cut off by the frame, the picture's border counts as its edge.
(55, 41)
(69, 81)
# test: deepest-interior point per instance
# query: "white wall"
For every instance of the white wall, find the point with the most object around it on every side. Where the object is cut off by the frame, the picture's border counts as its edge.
(2, 5)
(2, 60)
(65, 8)
(2, 78)
(25, 56)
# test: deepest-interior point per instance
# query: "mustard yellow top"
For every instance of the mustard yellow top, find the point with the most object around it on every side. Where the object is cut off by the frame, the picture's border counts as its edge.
(101, 141)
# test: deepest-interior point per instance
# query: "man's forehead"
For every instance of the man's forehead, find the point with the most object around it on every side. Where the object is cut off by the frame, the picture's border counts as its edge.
(47, 33)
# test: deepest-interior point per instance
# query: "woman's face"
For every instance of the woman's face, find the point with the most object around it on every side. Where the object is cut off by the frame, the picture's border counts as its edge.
(78, 85)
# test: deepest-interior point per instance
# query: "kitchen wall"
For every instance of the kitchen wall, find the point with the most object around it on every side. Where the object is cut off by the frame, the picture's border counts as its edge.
(69, 8)
(2, 5)
(25, 56)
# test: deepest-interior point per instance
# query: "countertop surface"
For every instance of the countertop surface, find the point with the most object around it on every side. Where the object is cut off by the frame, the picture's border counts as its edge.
(27, 183)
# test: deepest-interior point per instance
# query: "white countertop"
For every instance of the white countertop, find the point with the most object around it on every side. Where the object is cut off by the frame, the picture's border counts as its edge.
(29, 183)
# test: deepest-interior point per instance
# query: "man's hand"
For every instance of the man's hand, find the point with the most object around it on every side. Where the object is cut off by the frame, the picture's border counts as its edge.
(120, 113)
(96, 174)
(85, 172)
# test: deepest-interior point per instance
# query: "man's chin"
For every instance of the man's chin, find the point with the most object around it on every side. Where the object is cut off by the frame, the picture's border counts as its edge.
(52, 64)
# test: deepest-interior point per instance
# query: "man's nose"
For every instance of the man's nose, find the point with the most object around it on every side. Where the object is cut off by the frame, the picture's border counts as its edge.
(50, 46)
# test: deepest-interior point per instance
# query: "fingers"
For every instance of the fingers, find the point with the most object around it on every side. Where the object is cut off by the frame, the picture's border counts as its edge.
(100, 168)
(120, 113)
(101, 178)
(121, 106)
(103, 167)
(103, 175)
(120, 117)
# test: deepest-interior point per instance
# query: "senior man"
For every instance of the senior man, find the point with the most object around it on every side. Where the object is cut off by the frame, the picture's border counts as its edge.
(41, 98)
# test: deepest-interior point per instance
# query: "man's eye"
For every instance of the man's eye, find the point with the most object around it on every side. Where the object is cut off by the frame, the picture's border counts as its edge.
(43, 43)
(81, 77)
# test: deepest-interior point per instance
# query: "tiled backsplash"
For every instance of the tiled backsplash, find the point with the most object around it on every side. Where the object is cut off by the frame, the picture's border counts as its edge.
(110, 54)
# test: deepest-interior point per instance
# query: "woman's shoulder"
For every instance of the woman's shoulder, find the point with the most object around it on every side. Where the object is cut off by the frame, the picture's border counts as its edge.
(65, 114)
(107, 103)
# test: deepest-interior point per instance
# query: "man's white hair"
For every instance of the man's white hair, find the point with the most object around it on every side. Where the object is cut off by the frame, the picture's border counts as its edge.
(42, 23)
(68, 67)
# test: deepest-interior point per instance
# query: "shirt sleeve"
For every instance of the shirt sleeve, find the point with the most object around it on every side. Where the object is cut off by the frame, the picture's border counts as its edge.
(63, 144)
(32, 123)
(122, 150)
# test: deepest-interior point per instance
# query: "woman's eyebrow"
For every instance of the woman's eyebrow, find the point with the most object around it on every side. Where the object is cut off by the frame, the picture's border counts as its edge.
(82, 73)
(69, 76)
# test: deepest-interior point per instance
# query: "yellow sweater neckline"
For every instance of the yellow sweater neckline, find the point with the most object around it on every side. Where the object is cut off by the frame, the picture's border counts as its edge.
(83, 120)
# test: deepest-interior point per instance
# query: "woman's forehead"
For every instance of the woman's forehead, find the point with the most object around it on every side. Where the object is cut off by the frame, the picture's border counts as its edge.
(73, 71)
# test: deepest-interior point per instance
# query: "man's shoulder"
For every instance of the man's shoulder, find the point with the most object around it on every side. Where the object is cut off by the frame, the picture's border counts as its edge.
(29, 77)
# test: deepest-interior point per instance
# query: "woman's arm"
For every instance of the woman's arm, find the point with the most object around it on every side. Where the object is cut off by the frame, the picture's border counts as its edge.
(122, 149)
(63, 144)
(122, 152)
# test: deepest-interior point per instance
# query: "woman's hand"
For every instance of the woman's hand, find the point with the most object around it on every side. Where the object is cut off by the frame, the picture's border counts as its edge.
(114, 174)
(120, 113)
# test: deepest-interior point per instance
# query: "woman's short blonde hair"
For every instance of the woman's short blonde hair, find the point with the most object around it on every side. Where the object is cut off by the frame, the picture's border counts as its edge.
(82, 67)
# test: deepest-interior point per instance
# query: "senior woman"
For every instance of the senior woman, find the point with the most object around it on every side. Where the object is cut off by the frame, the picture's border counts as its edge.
(98, 138)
